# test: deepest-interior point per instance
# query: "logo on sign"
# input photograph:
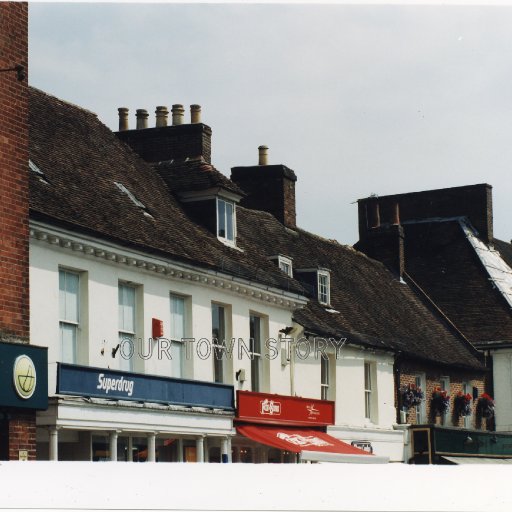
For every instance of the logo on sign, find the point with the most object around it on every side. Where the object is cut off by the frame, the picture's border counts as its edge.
(24, 375)
(363, 445)
(270, 407)
(313, 412)
(112, 384)
(303, 441)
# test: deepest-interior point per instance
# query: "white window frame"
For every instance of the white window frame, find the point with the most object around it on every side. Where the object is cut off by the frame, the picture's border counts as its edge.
(445, 386)
(468, 388)
(225, 239)
(124, 333)
(74, 324)
(421, 410)
(324, 377)
(286, 265)
(368, 391)
(219, 344)
(255, 352)
(327, 294)
(178, 342)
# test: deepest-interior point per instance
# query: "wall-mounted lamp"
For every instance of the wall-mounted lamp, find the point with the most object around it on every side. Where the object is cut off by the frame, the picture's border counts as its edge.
(20, 72)
(240, 375)
(286, 330)
(468, 440)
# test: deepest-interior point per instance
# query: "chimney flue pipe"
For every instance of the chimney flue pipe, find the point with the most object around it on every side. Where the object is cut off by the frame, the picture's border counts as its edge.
(263, 155)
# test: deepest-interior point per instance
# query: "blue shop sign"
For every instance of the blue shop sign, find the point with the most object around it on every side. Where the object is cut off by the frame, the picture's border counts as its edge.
(117, 385)
(23, 376)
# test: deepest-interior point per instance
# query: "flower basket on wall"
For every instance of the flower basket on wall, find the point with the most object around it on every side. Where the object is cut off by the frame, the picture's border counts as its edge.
(440, 402)
(462, 404)
(411, 396)
(485, 406)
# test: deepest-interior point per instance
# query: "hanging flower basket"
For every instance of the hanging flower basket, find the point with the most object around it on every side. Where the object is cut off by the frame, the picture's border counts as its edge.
(411, 396)
(485, 406)
(462, 404)
(440, 402)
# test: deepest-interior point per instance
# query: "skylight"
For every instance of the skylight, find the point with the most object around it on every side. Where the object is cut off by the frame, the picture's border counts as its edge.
(134, 200)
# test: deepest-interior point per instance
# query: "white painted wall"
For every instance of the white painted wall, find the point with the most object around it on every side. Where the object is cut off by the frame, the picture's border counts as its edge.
(99, 321)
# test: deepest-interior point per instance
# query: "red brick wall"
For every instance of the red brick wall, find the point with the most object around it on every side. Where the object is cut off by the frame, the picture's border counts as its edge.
(14, 286)
(14, 204)
(22, 435)
(408, 373)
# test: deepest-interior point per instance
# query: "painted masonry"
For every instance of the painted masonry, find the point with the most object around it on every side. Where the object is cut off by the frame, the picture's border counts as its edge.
(114, 258)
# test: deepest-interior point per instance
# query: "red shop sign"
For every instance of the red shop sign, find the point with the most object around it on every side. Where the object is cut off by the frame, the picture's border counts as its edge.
(283, 410)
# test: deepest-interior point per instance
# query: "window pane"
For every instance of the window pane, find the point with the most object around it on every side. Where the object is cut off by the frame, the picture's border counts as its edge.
(221, 214)
(229, 221)
(177, 359)
(68, 342)
(177, 317)
(255, 347)
(324, 369)
(127, 308)
(68, 296)
(126, 351)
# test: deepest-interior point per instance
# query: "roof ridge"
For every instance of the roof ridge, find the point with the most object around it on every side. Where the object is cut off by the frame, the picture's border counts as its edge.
(65, 102)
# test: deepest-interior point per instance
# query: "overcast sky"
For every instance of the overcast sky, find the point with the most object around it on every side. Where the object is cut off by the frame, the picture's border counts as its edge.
(355, 99)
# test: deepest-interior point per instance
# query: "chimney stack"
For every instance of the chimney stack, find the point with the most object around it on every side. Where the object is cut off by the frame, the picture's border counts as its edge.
(123, 119)
(177, 114)
(195, 114)
(161, 116)
(263, 155)
(142, 118)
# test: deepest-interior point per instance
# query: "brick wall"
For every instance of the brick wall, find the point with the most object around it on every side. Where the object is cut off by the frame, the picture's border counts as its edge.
(22, 435)
(170, 142)
(433, 374)
(472, 201)
(269, 188)
(19, 427)
(14, 286)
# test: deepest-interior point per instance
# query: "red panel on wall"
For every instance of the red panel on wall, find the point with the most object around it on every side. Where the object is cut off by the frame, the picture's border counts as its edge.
(283, 410)
(158, 328)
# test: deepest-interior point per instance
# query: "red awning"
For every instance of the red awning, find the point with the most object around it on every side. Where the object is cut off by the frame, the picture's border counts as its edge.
(298, 440)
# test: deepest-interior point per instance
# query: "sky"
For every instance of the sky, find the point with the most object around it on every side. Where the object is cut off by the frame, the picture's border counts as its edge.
(356, 99)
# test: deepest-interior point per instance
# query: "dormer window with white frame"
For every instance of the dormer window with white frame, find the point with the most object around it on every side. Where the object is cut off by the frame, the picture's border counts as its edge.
(324, 287)
(226, 221)
(284, 263)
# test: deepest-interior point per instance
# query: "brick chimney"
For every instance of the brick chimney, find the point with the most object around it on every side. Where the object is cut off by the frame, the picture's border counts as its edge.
(162, 142)
(270, 188)
(471, 201)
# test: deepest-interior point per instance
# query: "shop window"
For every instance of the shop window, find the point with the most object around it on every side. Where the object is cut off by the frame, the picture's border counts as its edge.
(467, 388)
(421, 409)
(445, 386)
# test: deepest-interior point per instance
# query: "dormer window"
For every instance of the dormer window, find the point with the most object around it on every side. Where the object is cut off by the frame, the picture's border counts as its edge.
(284, 263)
(324, 287)
(226, 220)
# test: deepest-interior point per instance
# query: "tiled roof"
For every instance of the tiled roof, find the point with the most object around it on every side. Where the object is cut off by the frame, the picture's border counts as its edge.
(442, 260)
(370, 306)
(82, 162)
(192, 175)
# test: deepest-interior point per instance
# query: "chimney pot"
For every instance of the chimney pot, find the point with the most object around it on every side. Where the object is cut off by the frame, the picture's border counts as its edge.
(195, 114)
(263, 155)
(161, 116)
(123, 119)
(395, 212)
(142, 118)
(177, 114)
(374, 217)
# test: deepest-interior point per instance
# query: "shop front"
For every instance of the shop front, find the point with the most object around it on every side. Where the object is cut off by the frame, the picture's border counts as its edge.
(278, 428)
(107, 415)
(435, 444)
(23, 391)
